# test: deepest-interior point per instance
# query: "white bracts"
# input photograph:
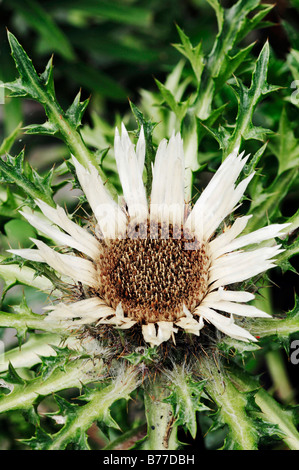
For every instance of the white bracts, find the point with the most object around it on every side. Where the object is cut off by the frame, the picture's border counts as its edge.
(233, 257)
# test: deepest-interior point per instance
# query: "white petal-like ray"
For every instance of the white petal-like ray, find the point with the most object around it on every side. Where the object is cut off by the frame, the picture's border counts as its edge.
(128, 166)
(140, 150)
(75, 267)
(224, 324)
(221, 241)
(111, 219)
(79, 313)
(118, 319)
(167, 195)
(220, 196)
(59, 217)
(157, 333)
(235, 308)
(158, 185)
(92, 308)
(258, 236)
(190, 325)
(85, 242)
(229, 295)
(238, 266)
(225, 206)
(28, 253)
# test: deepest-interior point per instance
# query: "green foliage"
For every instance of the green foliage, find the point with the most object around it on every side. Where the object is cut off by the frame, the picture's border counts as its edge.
(185, 399)
(15, 170)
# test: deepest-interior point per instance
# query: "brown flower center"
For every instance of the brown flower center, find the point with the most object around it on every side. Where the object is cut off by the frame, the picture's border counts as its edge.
(154, 277)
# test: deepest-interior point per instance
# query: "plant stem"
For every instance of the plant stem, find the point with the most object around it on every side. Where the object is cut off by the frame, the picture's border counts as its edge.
(282, 386)
(274, 359)
(12, 273)
(74, 140)
(272, 410)
(128, 439)
(231, 405)
(281, 327)
(23, 321)
(96, 409)
(30, 352)
(161, 429)
(74, 374)
(277, 192)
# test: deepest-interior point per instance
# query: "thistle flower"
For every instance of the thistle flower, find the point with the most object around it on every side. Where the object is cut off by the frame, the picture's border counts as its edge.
(159, 264)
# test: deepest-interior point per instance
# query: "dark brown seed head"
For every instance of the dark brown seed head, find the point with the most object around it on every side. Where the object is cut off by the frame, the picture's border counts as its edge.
(154, 277)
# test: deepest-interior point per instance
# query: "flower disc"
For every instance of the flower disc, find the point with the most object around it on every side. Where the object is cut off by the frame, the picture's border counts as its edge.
(154, 278)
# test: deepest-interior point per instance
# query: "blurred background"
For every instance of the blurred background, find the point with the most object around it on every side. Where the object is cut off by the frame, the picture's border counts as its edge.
(113, 49)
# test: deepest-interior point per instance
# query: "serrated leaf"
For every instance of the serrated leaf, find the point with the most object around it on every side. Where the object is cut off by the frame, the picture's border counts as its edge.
(142, 355)
(47, 77)
(9, 141)
(40, 441)
(148, 127)
(230, 64)
(179, 108)
(273, 414)
(41, 89)
(29, 82)
(219, 11)
(291, 248)
(239, 349)
(285, 146)
(230, 22)
(222, 135)
(59, 360)
(254, 160)
(80, 417)
(231, 406)
(48, 128)
(255, 22)
(278, 328)
(14, 170)
(24, 395)
(75, 112)
(193, 54)
(185, 399)
(106, 423)
(248, 98)
(30, 352)
(32, 416)
(13, 377)
(266, 201)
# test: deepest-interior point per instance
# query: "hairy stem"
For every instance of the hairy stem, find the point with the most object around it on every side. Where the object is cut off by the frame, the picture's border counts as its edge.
(30, 352)
(231, 405)
(75, 374)
(25, 320)
(274, 358)
(281, 382)
(128, 439)
(96, 409)
(271, 409)
(161, 429)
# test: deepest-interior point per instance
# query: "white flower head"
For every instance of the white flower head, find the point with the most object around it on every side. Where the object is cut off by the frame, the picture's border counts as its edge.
(158, 265)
